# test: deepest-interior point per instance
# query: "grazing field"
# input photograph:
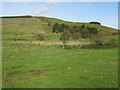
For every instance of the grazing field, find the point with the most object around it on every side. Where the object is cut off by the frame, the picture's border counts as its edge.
(36, 66)
(31, 63)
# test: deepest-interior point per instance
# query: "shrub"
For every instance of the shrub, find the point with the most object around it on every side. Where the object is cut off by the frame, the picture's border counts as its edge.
(76, 35)
(58, 28)
(112, 42)
(49, 24)
(97, 39)
(55, 28)
(114, 33)
(98, 42)
(39, 36)
(84, 33)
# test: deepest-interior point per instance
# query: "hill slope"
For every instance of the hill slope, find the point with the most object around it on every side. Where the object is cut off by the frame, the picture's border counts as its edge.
(44, 21)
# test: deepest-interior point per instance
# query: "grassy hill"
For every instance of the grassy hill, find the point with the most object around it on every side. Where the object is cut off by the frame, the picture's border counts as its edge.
(27, 25)
(46, 20)
(31, 63)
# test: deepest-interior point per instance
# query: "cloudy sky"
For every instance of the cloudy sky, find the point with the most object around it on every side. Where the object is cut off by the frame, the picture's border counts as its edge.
(104, 12)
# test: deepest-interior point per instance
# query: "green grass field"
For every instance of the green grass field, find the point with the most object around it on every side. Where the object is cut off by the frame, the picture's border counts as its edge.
(45, 64)
(36, 66)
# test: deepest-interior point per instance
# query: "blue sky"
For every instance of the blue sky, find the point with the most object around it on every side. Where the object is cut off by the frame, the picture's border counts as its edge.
(104, 12)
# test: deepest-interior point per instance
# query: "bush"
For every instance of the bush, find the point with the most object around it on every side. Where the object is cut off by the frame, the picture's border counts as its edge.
(115, 33)
(98, 42)
(39, 36)
(76, 35)
(98, 39)
(112, 42)
(58, 28)
(49, 23)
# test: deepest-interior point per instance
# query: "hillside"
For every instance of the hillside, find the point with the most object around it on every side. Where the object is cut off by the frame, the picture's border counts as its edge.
(48, 20)
(35, 57)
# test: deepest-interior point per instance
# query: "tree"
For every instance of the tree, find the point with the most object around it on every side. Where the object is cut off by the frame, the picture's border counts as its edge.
(62, 27)
(55, 28)
(95, 23)
(65, 37)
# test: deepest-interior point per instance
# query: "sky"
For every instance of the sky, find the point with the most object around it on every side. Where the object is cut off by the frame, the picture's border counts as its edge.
(104, 12)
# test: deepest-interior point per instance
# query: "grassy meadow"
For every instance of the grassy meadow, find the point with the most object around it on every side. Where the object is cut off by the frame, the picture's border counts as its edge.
(31, 63)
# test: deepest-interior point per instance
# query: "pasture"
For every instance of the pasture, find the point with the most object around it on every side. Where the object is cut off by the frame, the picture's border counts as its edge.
(36, 66)
(31, 63)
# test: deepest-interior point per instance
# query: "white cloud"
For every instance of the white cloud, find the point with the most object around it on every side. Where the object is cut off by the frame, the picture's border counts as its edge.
(37, 11)
(42, 9)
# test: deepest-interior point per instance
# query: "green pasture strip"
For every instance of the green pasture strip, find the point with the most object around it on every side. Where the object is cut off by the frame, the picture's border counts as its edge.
(23, 29)
(28, 37)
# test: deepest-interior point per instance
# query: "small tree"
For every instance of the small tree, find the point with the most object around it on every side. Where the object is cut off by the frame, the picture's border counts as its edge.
(55, 27)
(62, 27)
(65, 37)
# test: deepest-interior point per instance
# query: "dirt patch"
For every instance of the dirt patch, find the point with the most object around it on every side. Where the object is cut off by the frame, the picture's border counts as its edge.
(15, 39)
(10, 80)
(48, 65)
(37, 72)
(114, 62)
(19, 39)
(13, 73)
(48, 69)
(68, 67)
(71, 72)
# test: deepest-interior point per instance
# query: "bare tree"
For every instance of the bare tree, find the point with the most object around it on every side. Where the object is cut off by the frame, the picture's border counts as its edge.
(65, 37)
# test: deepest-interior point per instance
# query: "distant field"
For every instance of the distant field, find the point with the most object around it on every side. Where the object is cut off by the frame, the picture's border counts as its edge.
(31, 63)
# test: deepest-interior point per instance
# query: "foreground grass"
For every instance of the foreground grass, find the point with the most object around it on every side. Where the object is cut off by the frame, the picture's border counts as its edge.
(36, 66)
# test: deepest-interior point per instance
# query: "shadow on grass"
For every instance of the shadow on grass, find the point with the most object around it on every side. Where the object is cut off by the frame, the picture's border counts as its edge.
(97, 46)
(92, 46)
